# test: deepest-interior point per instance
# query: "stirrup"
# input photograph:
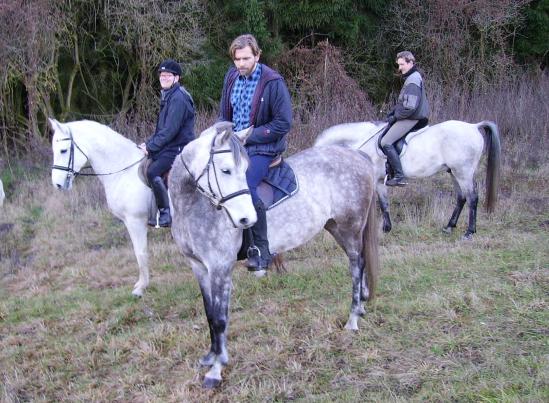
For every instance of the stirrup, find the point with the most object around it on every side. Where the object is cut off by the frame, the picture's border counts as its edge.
(253, 251)
(154, 223)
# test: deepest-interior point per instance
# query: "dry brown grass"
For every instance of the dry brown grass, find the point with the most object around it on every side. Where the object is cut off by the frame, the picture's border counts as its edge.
(453, 321)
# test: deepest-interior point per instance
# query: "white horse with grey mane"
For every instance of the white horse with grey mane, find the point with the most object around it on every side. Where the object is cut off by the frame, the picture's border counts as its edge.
(452, 146)
(114, 160)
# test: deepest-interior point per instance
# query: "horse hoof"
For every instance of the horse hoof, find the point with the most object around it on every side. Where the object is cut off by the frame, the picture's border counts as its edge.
(210, 383)
(467, 237)
(387, 228)
(351, 326)
(447, 230)
(260, 273)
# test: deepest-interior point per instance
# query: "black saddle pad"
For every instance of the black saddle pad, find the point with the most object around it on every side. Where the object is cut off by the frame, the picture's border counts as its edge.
(279, 185)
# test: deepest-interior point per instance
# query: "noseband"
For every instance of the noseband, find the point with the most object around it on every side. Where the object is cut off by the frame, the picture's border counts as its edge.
(218, 202)
(70, 165)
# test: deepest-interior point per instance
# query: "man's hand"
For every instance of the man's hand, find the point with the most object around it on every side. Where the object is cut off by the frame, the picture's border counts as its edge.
(143, 148)
(391, 119)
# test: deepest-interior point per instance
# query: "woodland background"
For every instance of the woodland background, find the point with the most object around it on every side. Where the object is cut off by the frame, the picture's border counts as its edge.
(81, 59)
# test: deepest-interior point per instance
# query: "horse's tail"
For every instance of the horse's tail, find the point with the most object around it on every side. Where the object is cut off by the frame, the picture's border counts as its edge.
(493, 147)
(370, 251)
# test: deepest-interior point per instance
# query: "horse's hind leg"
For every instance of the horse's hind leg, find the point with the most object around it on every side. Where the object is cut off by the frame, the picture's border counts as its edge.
(472, 202)
(383, 200)
(460, 202)
(137, 229)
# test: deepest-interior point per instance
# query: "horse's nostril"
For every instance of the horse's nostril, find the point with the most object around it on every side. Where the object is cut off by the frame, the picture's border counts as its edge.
(244, 221)
(59, 186)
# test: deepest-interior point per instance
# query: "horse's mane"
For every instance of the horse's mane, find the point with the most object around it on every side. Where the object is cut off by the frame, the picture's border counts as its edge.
(99, 128)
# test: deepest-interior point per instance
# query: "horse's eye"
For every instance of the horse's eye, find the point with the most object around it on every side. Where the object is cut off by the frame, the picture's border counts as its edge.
(63, 151)
(226, 171)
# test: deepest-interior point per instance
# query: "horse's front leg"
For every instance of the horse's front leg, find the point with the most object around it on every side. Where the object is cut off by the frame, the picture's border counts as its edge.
(137, 228)
(216, 286)
(383, 200)
(356, 267)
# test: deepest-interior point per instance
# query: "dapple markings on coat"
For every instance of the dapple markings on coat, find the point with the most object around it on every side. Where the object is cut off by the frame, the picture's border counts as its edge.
(452, 146)
(336, 193)
(106, 151)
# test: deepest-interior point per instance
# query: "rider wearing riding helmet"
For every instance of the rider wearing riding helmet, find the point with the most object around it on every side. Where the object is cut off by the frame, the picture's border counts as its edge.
(410, 112)
(174, 130)
(255, 95)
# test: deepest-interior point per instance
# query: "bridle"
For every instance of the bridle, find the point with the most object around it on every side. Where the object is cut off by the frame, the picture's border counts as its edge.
(218, 202)
(71, 172)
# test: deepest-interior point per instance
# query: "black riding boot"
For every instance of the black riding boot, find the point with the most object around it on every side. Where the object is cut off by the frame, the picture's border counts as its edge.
(163, 203)
(392, 156)
(259, 257)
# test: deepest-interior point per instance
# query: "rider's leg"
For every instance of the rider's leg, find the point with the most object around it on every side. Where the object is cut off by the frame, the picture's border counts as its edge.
(397, 131)
(154, 175)
(257, 170)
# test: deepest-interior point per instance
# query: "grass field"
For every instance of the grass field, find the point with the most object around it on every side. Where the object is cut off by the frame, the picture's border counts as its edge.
(453, 320)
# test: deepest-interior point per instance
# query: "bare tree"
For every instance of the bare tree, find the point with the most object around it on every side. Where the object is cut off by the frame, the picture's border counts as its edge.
(460, 42)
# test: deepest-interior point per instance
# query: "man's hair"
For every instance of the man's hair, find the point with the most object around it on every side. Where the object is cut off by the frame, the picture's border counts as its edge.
(241, 42)
(406, 55)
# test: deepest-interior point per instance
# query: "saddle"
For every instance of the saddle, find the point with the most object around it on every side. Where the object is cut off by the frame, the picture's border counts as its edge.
(142, 173)
(401, 145)
(279, 184)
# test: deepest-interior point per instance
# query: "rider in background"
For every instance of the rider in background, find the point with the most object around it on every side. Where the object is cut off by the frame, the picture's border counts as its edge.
(174, 130)
(412, 108)
(254, 94)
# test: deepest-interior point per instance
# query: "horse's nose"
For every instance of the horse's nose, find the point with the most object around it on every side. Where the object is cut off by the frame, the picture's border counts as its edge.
(245, 222)
(58, 186)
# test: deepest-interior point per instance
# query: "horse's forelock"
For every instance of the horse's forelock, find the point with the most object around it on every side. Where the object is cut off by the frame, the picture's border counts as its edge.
(220, 127)
(238, 150)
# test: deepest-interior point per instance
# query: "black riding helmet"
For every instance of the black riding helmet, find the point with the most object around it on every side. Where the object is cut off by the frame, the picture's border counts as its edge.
(171, 66)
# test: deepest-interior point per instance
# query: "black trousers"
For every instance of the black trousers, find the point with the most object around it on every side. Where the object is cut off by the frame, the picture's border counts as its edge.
(159, 166)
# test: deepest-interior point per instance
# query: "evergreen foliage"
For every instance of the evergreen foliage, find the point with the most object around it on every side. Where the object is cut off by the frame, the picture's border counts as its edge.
(97, 59)
(532, 43)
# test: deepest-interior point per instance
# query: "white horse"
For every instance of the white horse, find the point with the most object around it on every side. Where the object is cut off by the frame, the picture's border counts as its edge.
(452, 146)
(114, 160)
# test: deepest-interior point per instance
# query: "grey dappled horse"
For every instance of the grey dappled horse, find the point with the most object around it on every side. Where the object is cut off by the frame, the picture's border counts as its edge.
(452, 146)
(114, 160)
(336, 192)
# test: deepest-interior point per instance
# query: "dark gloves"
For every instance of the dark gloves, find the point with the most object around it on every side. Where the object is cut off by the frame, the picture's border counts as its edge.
(391, 119)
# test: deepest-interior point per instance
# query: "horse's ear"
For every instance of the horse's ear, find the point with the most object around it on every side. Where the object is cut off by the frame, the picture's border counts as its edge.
(55, 125)
(223, 136)
(243, 135)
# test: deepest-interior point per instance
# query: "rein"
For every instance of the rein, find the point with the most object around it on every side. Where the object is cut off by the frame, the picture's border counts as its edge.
(372, 136)
(209, 193)
(70, 166)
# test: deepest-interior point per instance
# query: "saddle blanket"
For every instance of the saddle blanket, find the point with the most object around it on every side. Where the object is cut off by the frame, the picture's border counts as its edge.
(280, 184)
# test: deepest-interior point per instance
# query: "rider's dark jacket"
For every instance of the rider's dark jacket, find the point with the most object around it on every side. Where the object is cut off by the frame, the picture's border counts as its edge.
(175, 124)
(271, 112)
(412, 100)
